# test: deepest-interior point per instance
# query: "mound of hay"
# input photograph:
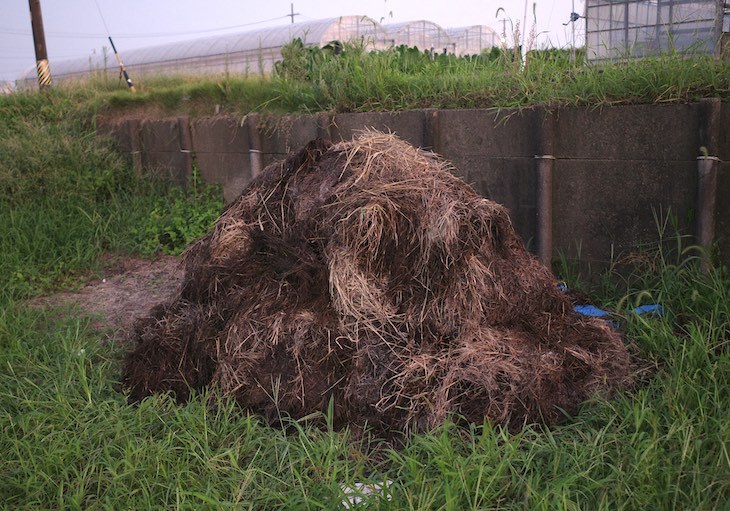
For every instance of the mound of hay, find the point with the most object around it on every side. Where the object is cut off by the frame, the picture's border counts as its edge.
(366, 273)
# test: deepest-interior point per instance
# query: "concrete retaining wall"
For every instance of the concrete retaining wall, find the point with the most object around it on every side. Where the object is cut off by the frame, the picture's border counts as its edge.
(222, 152)
(586, 183)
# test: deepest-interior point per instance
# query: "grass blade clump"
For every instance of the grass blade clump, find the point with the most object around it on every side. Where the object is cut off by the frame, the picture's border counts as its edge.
(67, 197)
(366, 273)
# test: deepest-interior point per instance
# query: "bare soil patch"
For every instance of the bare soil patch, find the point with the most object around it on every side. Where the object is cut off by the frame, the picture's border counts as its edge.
(127, 289)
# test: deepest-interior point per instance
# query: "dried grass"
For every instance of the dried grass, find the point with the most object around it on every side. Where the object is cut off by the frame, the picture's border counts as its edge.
(366, 273)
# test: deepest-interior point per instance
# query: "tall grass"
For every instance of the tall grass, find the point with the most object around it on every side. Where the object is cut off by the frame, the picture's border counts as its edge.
(355, 80)
(403, 78)
(66, 197)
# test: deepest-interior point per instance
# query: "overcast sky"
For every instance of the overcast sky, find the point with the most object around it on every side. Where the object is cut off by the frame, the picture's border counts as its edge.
(75, 28)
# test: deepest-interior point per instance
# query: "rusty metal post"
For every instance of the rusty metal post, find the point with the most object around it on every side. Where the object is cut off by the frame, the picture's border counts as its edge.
(254, 144)
(708, 164)
(186, 148)
(545, 168)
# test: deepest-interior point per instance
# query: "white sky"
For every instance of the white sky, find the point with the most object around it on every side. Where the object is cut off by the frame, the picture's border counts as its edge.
(74, 28)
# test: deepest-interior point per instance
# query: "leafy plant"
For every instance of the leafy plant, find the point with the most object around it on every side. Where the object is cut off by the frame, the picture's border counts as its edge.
(177, 217)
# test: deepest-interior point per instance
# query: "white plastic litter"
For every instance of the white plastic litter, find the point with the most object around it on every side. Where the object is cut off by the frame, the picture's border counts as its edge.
(364, 492)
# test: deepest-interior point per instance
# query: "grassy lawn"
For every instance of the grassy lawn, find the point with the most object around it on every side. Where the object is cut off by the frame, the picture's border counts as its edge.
(69, 440)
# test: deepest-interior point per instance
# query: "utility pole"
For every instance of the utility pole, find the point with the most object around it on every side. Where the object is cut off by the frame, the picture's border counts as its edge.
(292, 13)
(39, 41)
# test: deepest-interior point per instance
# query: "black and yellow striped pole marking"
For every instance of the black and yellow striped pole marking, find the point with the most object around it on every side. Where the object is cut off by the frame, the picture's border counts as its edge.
(122, 69)
(44, 73)
(39, 41)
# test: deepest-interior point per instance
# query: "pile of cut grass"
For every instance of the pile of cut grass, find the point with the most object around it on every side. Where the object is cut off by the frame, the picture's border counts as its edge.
(365, 276)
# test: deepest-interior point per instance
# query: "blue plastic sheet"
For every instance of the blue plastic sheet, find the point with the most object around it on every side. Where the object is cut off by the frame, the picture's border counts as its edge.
(590, 310)
(653, 309)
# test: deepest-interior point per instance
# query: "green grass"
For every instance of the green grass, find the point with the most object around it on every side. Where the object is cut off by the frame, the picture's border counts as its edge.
(66, 197)
(313, 80)
(70, 440)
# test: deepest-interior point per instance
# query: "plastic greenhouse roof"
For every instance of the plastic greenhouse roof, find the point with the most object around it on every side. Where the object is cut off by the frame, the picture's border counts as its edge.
(320, 32)
(473, 38)
(415, 25)
(482, 29)
(415, 33)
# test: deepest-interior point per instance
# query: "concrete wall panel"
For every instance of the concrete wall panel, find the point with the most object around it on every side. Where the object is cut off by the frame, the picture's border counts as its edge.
(631, 132)
(490, 132)
(495, 152)
(160, 135)
(607, 207)
(227, 170)
(161, 154)
(285, 134)
(222, 154)
(219, 135)
(409, 126)
(507, 181)
(119, 132)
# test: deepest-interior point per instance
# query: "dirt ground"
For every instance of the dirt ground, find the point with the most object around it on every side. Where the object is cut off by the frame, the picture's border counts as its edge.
(128, 288)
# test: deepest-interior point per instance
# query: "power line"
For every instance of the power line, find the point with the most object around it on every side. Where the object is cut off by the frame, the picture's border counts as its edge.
(30, 57)
(81, 35)
(102, 17)
(206, 31)
(26, 49)
(14, 31)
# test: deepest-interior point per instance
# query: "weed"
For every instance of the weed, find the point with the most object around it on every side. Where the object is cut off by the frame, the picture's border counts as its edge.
(177, 217)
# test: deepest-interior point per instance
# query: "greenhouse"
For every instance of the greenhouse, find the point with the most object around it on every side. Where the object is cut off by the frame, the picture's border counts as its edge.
(249, 53)
(424, 35)
(625, 29)
(473, 40)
